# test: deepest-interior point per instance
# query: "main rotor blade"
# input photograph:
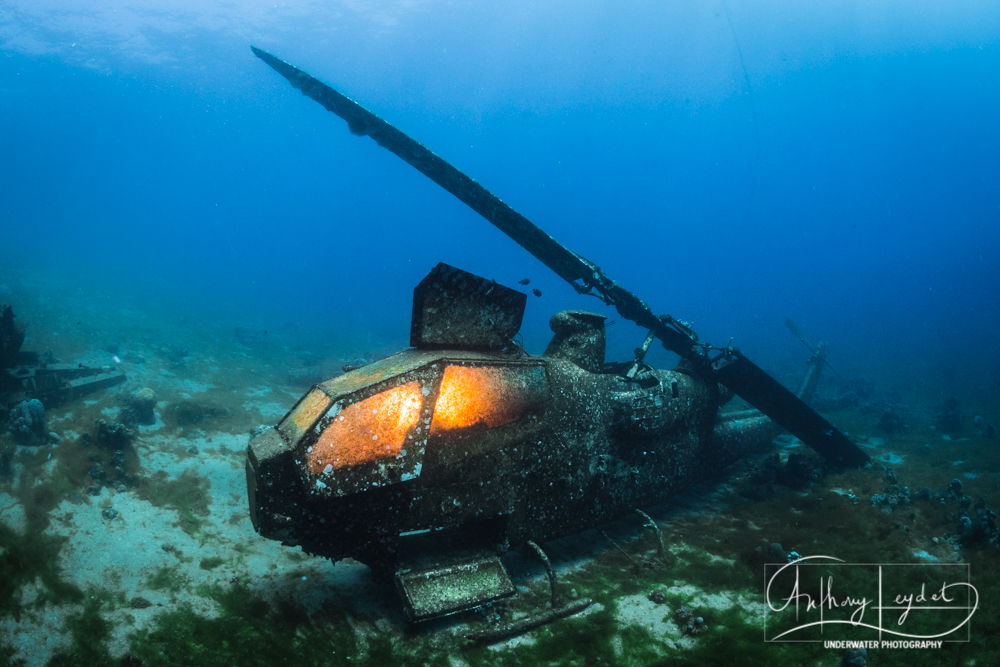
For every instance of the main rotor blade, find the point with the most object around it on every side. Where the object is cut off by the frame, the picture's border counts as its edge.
(362, 122)
(751, 383)
(583, 274)
(766, 394)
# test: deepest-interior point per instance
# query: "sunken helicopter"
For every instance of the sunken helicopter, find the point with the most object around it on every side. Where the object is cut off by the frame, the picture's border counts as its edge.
(430, 464)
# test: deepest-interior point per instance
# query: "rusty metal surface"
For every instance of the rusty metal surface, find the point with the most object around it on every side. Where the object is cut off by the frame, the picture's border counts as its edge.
(521, 626)
(23, 375)
(441, 591)
(579, 338)
(596, 448)
(61, 382)
(458, 310)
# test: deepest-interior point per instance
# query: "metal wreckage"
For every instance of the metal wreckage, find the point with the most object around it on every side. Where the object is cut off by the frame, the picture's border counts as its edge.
(29, 375)
(430, 464)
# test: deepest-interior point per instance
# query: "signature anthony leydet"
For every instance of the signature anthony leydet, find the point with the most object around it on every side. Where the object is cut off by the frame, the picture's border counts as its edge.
(825, 606)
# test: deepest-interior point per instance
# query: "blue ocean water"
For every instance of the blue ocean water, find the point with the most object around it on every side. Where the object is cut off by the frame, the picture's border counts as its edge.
(733, 163)
(848, 180)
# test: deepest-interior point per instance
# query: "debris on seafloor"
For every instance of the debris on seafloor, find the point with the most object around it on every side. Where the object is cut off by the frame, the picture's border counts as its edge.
(26, 375)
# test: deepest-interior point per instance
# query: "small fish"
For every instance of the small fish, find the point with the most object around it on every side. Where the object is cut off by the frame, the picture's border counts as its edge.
(524, 281)
(536, 292)
(116, 359)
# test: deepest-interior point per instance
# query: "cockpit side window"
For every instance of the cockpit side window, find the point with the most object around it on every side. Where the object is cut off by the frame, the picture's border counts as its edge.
(370, 430)
(303, 415)
(475, 398)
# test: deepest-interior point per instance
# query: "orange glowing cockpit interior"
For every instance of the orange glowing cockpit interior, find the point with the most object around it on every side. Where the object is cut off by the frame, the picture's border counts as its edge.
(370, 430)
(479, 396)
(470, 398)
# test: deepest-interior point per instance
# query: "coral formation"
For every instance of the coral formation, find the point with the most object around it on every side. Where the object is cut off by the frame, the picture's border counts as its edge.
(27, 423)
(689, 621)
(978, 528)
(114, 436)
